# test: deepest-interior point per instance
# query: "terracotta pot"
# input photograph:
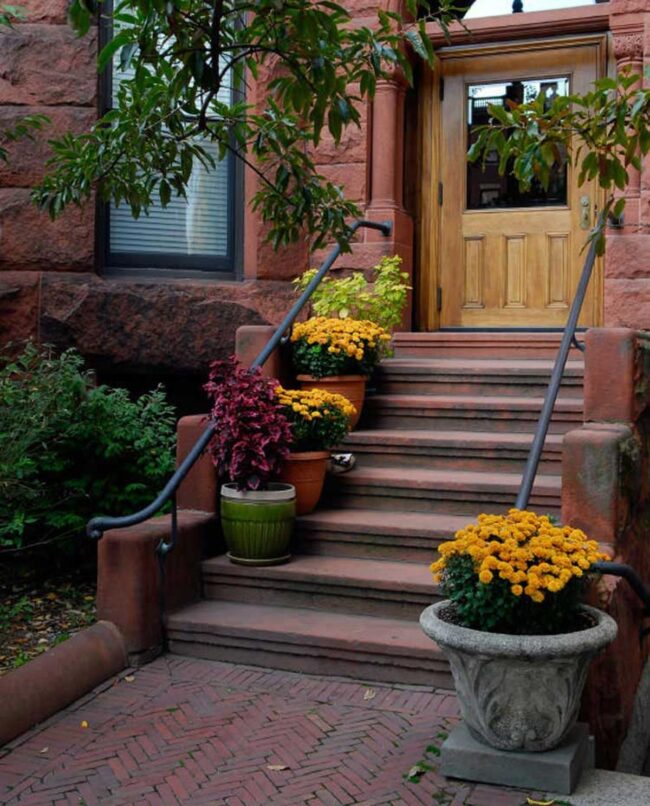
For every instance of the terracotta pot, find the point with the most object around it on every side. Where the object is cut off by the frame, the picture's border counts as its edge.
(351, 386)
(306, 472)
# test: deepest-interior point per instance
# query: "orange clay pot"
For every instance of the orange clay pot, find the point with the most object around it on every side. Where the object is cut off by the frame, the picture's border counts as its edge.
(351, 386)
(306, 471)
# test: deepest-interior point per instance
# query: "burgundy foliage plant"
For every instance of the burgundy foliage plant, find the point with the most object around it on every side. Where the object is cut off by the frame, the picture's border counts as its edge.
(253, 436)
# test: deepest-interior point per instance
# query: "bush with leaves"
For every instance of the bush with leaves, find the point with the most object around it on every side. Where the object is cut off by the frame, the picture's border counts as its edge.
(186, 55)
(381, 301)
(70, 449)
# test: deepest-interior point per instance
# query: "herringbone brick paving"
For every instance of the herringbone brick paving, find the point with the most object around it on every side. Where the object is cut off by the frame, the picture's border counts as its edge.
(182, 730)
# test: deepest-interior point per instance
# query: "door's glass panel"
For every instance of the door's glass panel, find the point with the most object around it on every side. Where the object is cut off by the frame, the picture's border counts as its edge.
(486, 188)
(496, 8)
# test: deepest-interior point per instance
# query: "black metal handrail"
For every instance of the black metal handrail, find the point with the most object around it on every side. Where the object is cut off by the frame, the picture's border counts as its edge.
(568, 338)
(97, 526)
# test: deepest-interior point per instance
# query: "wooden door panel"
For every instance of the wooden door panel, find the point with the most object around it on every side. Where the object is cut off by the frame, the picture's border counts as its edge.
(508, 266)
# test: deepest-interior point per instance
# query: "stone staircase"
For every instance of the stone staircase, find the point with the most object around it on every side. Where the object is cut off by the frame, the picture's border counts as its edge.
(444, 437)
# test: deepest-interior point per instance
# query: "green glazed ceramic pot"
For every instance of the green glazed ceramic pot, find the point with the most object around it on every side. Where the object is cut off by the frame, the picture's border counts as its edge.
(258, 524)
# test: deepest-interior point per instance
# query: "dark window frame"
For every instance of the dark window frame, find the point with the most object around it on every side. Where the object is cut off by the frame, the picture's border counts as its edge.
(162, 265)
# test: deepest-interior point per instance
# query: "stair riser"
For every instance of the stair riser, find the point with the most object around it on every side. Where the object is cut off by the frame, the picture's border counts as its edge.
(422, 385)
(459, 420)
(462, 345)
(468, 502)
(343, 599)
(313, 659)
(439, 458)
(370, 547)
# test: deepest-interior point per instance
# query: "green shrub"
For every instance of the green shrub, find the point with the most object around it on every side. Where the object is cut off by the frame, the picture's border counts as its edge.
(382, 301)
(70, 450)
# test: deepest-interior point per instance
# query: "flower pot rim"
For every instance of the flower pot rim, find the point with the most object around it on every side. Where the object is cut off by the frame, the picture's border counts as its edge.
(277, 491)
(591, 639)
(332, 378)
(307, 456)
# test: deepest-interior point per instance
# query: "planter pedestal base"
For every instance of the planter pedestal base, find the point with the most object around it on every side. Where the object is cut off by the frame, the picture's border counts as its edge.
(557, 770)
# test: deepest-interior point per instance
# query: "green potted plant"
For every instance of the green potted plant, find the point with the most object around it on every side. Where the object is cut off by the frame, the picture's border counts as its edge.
(518, 638)
(337, 355)
(251, 441)
(319, 421)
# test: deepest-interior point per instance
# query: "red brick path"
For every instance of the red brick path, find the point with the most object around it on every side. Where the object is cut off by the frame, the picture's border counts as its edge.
(200, 732)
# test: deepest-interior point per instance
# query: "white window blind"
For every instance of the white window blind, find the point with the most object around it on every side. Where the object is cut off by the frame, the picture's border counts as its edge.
(199, 225)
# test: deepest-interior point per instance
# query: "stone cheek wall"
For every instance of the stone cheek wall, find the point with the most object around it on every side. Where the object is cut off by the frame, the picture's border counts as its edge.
(50, 288)
(606, 492)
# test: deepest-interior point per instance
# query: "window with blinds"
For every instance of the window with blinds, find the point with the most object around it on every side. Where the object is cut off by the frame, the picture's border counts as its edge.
(193, 234)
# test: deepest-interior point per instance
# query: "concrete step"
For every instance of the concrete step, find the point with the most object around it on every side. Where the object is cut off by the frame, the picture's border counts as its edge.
(309, 641)
(470, 376)
(456, 450)
(455, 492)
(376, 534)
(489, 343)
(332, 584)
(468, 413)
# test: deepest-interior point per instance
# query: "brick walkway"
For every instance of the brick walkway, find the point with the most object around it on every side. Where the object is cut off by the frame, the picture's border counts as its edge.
(192, 731)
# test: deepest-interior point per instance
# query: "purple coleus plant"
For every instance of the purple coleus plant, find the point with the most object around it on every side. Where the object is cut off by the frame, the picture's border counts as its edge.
(253, 436)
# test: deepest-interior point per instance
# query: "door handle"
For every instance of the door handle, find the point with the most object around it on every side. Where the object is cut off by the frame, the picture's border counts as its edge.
(585, 212)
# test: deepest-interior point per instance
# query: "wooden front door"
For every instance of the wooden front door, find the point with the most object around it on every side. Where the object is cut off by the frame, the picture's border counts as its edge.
(510, 259)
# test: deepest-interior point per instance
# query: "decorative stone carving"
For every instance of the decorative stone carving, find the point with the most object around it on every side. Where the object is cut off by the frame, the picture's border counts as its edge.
(519, 692)
(628, 48)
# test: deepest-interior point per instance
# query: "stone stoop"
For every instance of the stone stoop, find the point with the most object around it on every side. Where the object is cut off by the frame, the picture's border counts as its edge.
(445, 437)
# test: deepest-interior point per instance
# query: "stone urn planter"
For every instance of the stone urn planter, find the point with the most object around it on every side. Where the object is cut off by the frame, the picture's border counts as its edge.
(258, 524)
(305, 470)
(353, 387)
(518, 692)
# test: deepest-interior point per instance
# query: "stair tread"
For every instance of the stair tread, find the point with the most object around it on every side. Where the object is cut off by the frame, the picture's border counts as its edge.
(451, 438)
(568, 405)
(290, 625)
(370, 521)
(481, 366)
(339, 571)
(447, 478)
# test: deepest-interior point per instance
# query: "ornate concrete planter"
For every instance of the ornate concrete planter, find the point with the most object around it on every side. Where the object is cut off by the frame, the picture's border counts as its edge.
(518, 692)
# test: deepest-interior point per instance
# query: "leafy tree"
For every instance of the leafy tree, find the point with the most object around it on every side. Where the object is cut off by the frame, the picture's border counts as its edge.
(603, 132)
(320, 65)
(29, 124)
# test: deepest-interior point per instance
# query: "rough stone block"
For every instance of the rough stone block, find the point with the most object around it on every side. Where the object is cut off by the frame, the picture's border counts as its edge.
(52, 11)
(559, 770)
(351, 176)
(48, 64)
(609, 365)
(19, 306)
(591, 483)
(30, 241)
(627, 303)
(628, 255)
(26, 163)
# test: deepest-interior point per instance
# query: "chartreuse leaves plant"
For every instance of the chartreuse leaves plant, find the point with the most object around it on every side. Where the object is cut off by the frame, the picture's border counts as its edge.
(382, 301)
(516, 573)
(323, 347)
(319, 419)
(604, 133)
(186, 55)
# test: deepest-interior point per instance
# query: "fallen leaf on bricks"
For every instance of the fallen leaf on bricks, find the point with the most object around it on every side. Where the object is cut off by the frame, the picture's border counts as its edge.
(276, 767)
(369, 694)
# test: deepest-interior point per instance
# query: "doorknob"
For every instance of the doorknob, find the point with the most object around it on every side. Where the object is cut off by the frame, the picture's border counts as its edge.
(585, 210)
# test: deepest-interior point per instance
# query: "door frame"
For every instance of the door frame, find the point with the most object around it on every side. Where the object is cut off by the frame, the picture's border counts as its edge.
(429, 219)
